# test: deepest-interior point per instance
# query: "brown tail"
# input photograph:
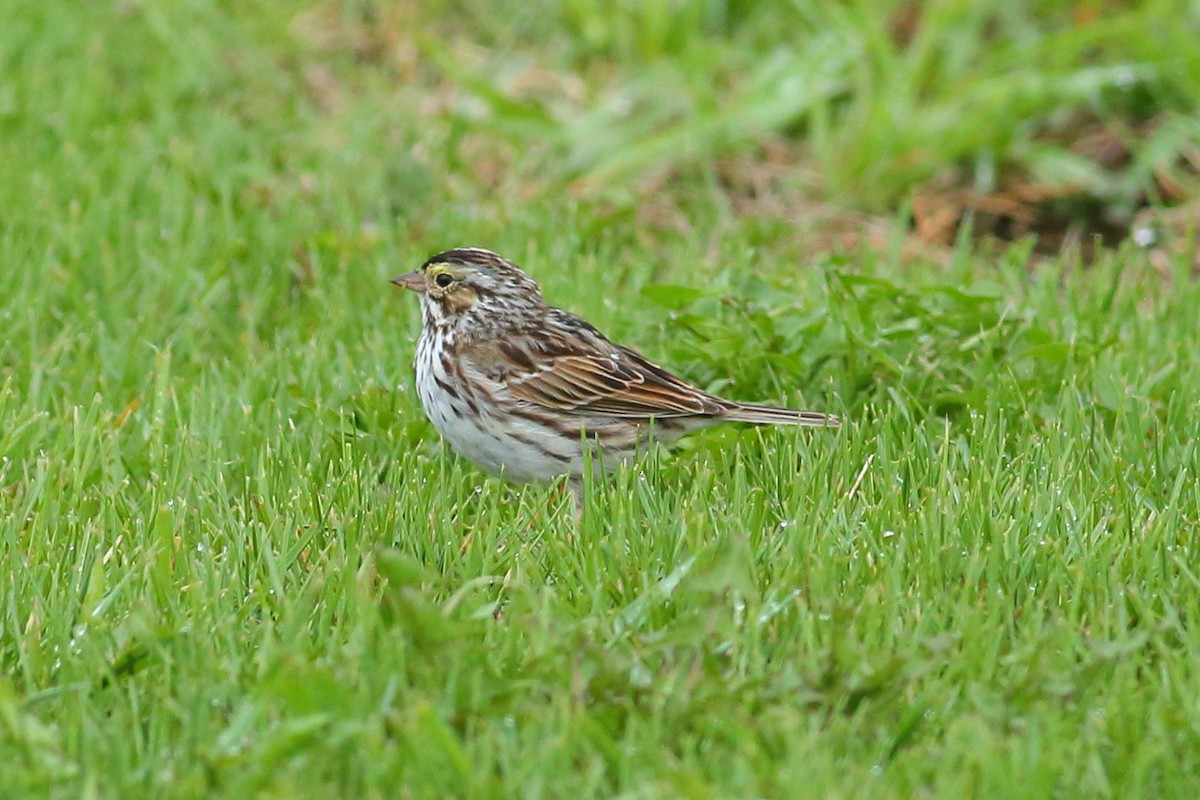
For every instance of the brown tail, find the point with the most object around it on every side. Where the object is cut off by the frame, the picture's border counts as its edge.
(768, 415)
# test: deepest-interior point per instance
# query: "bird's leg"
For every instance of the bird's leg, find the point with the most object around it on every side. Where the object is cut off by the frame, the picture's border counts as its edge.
(575, 483)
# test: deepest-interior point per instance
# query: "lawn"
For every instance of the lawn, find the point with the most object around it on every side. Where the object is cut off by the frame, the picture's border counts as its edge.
(235, 560)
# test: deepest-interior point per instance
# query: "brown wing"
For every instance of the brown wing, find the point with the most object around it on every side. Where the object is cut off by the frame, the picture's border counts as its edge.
(579, 370)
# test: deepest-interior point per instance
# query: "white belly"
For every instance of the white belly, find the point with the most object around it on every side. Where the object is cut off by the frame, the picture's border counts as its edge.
(515, 448)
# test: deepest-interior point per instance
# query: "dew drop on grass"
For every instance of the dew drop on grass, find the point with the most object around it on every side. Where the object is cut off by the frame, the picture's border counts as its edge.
(77, 633)
(1144, 236)
(888, 534)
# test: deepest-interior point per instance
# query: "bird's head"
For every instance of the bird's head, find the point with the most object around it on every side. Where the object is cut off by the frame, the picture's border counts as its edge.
(471, 283)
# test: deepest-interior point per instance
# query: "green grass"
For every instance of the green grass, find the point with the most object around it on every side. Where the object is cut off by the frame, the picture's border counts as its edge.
(881, 94)
(235, 560)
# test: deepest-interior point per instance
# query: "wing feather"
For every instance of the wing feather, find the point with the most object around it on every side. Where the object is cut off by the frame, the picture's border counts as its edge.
(585, 373)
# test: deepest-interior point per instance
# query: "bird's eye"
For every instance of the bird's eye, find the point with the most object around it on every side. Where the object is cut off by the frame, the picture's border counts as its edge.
(444, 279)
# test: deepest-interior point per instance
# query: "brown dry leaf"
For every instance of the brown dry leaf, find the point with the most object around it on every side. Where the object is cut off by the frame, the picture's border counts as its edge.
(127, 412)
(1016, 210)
(937, 210)
(1103, 145)
(322, 87)
(903, 22)
(770, 183)
(1085, 13)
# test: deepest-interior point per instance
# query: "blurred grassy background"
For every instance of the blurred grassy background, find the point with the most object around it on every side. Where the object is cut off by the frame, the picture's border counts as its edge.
(863, 104)
(1063, 119)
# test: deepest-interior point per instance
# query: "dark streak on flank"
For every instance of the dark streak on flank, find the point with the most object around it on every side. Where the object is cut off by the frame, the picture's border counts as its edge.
(529, 441)
(568, 433)
(451, 369)
(446, 386)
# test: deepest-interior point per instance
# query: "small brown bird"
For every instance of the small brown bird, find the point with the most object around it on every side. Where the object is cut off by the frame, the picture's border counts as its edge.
(518, 387)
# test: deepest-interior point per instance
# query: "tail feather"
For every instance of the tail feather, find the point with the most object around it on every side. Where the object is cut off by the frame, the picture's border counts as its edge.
(769, 415)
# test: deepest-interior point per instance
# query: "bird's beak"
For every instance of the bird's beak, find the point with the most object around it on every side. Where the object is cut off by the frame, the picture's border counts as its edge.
(413, 281)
